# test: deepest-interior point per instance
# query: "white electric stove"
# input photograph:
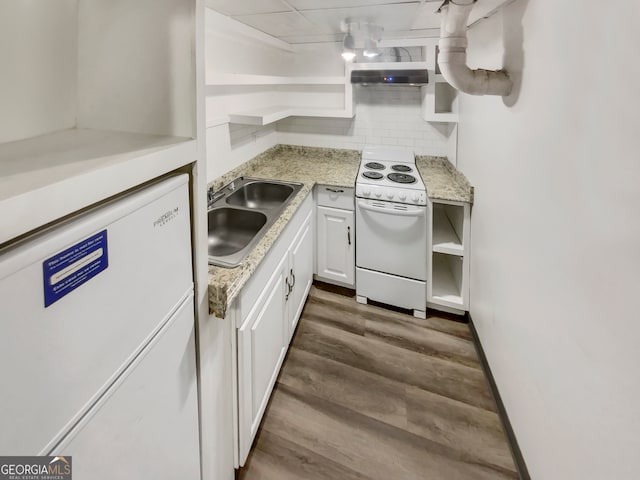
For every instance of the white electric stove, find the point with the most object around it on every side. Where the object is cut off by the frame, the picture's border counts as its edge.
(390, 174)
(392, 222)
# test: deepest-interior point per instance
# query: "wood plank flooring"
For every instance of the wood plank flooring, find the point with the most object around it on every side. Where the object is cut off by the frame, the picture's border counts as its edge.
(369, 393)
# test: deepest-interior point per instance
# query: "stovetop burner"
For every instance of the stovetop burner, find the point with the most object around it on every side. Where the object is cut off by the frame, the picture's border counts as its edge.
(372, 175)
(402, 168)
(374, 166)
(401, 178)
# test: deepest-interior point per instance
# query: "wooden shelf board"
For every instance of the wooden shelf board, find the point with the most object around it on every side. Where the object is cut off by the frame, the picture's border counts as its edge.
(445, 239)
(71, 169)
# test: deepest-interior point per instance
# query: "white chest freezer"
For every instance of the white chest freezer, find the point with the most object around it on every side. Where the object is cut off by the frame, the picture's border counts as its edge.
(97, 347)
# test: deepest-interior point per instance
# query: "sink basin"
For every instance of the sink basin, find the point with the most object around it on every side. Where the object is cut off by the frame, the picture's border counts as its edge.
(232, 229)
(240, 213)
(260, 194)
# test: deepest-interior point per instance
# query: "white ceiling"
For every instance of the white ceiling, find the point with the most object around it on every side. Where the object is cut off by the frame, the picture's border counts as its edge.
(310, 21)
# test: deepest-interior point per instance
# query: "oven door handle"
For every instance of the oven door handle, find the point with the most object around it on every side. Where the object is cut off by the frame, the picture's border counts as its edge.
(416, 212)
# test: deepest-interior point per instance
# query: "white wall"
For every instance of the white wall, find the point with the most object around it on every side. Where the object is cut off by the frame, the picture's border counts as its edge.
(556, 231)
(38, 50)
(385, 115)
(135, 66)
(230, 145)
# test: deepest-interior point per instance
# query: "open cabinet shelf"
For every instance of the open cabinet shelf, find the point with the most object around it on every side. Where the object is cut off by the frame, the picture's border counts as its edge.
(238, 79)
(267, 115)
(449, 276)
(447, 280)
(264, 103)
(113, 113)
(445, 236)
(420, 65)
(66, 171)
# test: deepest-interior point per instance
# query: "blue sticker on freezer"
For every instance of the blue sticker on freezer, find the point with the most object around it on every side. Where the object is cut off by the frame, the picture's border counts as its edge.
(67, 270)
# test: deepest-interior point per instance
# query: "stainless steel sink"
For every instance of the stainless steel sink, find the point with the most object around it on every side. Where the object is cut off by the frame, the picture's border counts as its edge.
(241, 213)
(259, 194)
(231, 229)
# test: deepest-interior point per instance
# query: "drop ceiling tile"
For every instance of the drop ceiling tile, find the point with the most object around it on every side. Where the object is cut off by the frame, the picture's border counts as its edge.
(282, 24)
(314, 38)
(391, 16)
(247, 7)
(326, 4)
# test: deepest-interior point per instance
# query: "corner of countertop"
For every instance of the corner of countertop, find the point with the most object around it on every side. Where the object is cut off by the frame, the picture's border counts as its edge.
(443, 180)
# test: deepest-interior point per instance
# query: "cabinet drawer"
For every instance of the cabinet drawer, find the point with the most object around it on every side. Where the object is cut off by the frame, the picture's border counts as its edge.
(336, 197)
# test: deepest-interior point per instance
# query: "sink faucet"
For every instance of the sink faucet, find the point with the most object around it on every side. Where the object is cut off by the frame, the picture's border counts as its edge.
(213, 196)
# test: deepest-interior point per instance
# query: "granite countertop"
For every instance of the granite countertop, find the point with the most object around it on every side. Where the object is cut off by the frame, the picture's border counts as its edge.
(311, 166)
(443, 181)
(305, 165)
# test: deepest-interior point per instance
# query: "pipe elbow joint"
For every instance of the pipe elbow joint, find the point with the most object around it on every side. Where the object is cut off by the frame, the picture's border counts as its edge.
(476, 82)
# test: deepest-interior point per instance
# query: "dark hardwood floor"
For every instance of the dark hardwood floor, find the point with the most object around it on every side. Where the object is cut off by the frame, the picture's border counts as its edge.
(369, 393)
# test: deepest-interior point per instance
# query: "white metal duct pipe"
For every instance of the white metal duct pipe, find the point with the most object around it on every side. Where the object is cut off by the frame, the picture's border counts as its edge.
(452, 58)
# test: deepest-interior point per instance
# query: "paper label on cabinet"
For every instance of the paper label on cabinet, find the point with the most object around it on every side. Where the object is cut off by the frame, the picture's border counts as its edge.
(67, 270)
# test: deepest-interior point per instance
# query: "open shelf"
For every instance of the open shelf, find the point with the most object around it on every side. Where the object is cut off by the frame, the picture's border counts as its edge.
(47, 177)
(259, 100)
(388, 66)
(267, 115)
(230, 79)
(261, 116)
(447, 280)
(446, 238)
(440, 101)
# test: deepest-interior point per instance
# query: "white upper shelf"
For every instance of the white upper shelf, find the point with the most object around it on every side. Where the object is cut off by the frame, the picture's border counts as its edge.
(226, 79)
(77, 168)
(389, 66)
(267, 115)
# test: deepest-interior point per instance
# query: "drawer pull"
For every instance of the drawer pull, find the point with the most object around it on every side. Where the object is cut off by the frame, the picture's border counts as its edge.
(335, 190)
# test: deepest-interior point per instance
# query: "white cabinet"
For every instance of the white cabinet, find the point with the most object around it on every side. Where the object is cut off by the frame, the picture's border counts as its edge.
(300, 273)
(267, 312)
(448, 285)
(262, 345)
(335, 240)
(336, 252)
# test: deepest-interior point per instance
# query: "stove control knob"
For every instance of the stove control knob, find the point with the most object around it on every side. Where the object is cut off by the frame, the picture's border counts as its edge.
(366, 192)
(378, 194)
(389, 194)
(402, 195)
(415, 197)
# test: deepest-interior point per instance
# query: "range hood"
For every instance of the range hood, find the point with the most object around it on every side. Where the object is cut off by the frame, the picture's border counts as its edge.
(390, 77)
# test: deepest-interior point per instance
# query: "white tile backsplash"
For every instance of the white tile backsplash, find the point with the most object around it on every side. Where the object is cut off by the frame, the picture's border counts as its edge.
(385, 115)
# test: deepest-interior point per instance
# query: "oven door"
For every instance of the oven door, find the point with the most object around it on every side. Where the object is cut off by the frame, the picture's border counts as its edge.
(392, 238)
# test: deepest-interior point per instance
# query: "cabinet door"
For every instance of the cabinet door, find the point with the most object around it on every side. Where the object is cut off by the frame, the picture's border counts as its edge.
(336, 242)
(262, 344)
(300, 273)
